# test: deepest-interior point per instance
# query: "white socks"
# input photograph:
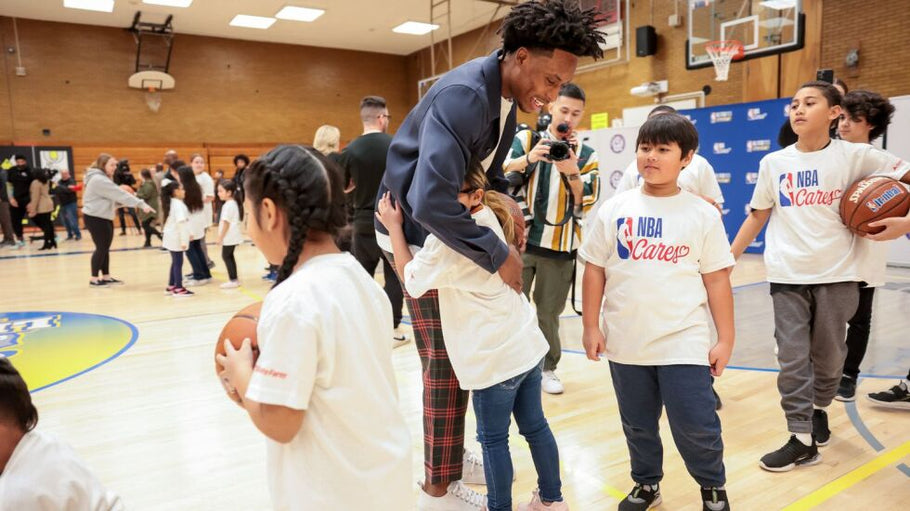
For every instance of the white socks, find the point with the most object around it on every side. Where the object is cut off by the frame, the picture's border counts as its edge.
(804, 438)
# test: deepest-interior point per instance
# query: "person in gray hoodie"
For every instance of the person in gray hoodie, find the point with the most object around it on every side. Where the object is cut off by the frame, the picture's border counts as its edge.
(99, 201)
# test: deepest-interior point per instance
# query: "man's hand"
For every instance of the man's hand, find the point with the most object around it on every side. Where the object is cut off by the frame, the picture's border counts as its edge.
(539, 152)
(13, 202)
(510, 271)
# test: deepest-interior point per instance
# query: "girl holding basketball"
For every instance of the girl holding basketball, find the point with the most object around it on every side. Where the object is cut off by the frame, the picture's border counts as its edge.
(811, 260)
(323, 389)
(492, 339)
(176, 236)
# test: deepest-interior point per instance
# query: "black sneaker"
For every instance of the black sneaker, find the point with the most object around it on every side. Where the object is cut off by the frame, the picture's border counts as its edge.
(211, 264)
(791, 455)
(718, 404)
(113, 282)
(714, 499)
(97, 283)
(820, 432)
(846, 391)
(895, 397)
(642, 497)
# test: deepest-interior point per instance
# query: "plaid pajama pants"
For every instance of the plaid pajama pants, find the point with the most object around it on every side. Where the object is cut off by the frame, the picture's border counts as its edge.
(444, 402)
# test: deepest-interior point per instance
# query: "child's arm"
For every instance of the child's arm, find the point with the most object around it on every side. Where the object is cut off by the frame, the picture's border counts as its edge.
(748, 231)
(720, 301)
(277, 422)
(390, 216)
(592, 293)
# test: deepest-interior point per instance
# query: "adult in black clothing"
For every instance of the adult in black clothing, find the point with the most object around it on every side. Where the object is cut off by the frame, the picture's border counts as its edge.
(65, 190)
(123, 176)
(6, 225)
(20, 177)
(364, 161)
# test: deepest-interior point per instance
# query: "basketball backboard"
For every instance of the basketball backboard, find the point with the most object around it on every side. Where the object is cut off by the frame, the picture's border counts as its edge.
(764, 27)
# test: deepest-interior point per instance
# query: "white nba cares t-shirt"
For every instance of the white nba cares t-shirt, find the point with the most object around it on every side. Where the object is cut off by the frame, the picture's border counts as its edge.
(654, 251)
(45, 474)
(697, 177)
(806, 241)
(490, 331)
(325, 347)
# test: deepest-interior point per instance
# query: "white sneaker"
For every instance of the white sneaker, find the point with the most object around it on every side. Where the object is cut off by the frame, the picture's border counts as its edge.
(458, 497)
(537, 505)
(194, 283)
(399, 338)
(472, 469)
(550, 383)
(231, 284)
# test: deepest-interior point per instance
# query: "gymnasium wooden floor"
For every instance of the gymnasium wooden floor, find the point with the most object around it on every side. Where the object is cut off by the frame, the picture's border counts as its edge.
(155, 427)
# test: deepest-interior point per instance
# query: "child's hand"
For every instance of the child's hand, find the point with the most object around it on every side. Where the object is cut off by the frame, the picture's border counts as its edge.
(238, 367)
(594, 342)
(389, 212)
(719, 356)
(183, 248)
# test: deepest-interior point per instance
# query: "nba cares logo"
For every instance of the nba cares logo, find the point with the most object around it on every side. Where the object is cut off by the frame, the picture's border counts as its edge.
(624, 238)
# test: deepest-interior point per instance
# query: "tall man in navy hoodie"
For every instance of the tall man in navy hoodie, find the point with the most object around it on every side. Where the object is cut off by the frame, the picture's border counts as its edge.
(470, 113)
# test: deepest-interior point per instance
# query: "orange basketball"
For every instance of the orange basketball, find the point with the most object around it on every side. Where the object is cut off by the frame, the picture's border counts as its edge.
(870, 199)
(241, 326)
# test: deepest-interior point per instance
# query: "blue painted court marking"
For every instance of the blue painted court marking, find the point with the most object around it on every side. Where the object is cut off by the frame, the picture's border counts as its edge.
(861, 428)
(135, 336)
(20, 255)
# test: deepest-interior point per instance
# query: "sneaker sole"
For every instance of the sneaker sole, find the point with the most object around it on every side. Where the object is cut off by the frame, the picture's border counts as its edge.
(845, 399)
(819, 443)
(897, 405)
(786, 468)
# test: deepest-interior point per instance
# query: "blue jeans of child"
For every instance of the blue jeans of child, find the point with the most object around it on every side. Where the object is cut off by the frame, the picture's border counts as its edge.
(685, 390)
(494, 407)
(175, 277)
(70, 220)
(197, 260)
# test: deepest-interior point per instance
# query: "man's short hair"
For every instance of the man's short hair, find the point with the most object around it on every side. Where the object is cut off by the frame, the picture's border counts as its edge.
(371, 107)
(669, 128)
(570, 90)
(15, 402)
(547, 25)
(17, 157)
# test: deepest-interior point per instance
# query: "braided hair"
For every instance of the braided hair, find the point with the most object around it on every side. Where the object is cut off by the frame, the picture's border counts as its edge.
(306, 186)
(552, 24)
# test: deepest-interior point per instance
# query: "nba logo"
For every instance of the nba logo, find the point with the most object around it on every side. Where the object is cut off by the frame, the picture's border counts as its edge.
(786, 190)
(873, 207)
(623, 237)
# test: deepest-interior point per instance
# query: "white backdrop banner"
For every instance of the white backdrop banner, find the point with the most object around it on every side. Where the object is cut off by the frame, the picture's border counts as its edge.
(898, 143)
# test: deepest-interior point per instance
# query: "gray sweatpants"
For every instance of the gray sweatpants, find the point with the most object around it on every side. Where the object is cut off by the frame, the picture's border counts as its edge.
(810, 323)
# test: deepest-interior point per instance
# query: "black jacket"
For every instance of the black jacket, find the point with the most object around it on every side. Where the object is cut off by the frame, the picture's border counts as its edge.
(21, 178)
(63, 193)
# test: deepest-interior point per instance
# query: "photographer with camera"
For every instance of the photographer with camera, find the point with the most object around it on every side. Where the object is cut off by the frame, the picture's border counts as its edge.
(562, 182)
(125, 180)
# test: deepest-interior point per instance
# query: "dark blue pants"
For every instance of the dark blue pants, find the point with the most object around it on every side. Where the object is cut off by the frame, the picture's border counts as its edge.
(685, 390)
(176, 277)
(70, 220)
(197, 261)
(494, 407)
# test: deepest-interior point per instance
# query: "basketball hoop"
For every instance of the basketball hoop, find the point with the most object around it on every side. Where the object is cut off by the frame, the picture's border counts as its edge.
(153, 99)
(722, 53)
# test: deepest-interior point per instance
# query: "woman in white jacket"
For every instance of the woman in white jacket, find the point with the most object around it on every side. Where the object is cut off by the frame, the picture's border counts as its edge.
(99, 201)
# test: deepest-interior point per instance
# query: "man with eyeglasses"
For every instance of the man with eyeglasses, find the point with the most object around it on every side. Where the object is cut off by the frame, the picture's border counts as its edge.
(363, 161)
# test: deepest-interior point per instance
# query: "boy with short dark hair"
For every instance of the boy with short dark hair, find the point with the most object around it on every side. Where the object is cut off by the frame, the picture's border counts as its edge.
(668, 259)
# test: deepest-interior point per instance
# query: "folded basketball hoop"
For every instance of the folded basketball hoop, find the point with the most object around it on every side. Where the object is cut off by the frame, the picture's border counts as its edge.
(722, 53)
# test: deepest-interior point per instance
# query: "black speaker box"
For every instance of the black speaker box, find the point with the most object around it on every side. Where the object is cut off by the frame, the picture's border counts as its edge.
(645, 41)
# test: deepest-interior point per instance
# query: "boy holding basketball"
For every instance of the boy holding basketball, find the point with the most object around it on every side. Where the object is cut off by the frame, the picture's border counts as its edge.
(812, 264)
(661, 258)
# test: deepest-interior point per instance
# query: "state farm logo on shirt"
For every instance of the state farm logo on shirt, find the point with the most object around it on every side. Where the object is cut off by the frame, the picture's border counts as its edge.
(755, 114)
(724, 116)
(632, 241)
(801, 189)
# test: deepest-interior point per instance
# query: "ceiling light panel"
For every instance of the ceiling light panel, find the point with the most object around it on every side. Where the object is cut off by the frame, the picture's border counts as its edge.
(415, 28)
(90, 5)
(294, 13)
(247, 21)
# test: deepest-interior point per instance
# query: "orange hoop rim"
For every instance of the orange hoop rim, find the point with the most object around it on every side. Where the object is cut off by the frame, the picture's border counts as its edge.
(731, 46)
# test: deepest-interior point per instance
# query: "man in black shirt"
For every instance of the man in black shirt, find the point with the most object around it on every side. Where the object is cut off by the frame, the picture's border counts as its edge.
(66, 195)
(20, 177)
(363, 161)
(9, 239)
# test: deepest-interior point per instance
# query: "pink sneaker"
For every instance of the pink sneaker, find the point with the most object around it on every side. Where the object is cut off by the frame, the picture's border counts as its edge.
(538, 505)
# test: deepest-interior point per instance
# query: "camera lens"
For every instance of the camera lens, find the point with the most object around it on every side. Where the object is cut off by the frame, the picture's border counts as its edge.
(559, 151)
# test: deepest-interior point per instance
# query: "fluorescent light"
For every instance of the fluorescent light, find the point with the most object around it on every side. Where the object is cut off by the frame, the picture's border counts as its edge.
(90, 5)
(290, 12)
(415, 28)
(778, 5)
(169, 3)
(244, 20)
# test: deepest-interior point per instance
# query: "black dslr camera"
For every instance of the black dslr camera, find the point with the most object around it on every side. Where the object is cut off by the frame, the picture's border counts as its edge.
(560, 149)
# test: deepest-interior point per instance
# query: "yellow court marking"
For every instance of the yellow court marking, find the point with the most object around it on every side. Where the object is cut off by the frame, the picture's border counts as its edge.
(615, 493)
(850, 478)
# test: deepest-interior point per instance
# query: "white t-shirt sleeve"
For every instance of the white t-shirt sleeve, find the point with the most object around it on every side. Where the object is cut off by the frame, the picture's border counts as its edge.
(596, 247)
(715, 253)
(289, 361)
(708, 185)
(763, 195)
(629, 178)
(884, 163)
(435, 266)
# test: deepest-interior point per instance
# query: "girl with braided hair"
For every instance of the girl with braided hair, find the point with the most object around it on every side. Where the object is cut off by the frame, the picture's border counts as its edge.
(323, 389)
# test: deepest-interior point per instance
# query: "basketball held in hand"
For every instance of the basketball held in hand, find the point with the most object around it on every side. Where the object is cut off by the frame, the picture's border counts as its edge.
(241, 326)
(872, 199)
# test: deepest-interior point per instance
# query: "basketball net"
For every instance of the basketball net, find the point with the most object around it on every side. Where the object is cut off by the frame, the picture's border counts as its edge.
(153, 99)
(722, 53)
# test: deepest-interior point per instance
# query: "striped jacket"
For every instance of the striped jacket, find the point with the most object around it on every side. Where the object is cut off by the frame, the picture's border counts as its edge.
(547, 196)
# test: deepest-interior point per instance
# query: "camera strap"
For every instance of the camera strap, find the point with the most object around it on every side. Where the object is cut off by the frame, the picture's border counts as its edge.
(540, 201)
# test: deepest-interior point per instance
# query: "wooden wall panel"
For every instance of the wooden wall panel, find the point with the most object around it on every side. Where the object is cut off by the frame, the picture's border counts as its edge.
(761, 78)
(799, 67)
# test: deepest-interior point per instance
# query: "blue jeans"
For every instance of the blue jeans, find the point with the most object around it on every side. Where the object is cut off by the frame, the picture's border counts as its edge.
(70, 220)
(494, 407)
(197, 260)
(685, 390)
(175, 277)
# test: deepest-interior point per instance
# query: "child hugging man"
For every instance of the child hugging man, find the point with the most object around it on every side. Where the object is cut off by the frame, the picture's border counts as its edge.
(660, 257)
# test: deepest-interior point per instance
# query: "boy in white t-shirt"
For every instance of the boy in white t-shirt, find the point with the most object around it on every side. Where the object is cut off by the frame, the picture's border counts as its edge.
(323, 389)
(660, 258)
(39, 472)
